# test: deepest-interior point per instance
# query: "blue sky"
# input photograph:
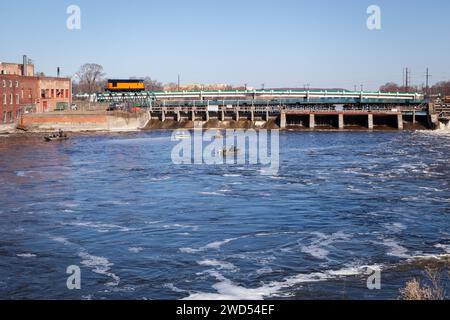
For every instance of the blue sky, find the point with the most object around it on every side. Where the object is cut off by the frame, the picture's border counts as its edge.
(279, 43)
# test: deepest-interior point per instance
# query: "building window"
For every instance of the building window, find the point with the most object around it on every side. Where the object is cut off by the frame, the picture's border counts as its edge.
(4, 117)
(4, 83)
(17, 84)
(4, 99)
(17, 99)
(11, 119)
(10, 83)
(11, 98)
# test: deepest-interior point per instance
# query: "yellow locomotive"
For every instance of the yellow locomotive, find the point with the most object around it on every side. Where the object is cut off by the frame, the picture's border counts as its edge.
(116, 85)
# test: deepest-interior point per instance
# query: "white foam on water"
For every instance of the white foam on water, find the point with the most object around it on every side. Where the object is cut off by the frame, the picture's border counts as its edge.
(445, 247)
(27, 255)
(172, 287)
(319, 246)
(135, 249)
(395, 227)
(71, 205)
(264, 270)
(232, 175)
(227, 290)
(152, 222)
(221, 265)
(180, 226)
(211, 246)
(396, 249)
(212, 194)
(164, 178)
(21, 173)
(100, 227)
(432, 189)
(99, 265)
(62, 240)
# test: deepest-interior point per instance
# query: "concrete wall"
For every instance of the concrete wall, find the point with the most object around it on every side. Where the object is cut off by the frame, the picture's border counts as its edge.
(84, 121)
(6, 128)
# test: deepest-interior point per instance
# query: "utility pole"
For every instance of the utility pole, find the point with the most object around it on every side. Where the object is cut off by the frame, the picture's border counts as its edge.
(179, 82)
(428, 76)
(403, 80)
(407, 80)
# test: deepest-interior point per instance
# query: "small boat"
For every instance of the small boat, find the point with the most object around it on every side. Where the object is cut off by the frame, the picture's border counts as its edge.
(55, 138)
(229, 151)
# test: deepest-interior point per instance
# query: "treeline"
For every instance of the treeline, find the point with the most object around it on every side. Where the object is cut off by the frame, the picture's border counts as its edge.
(441, 88)
(90, 78)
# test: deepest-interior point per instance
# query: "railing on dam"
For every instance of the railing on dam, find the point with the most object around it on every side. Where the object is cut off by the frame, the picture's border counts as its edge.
(267, 97)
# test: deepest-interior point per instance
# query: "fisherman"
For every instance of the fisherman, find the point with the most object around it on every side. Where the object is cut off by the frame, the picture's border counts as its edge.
(61, 133)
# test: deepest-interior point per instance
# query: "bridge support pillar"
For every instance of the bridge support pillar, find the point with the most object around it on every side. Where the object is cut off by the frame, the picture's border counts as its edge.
(252, 115)
(267, 115)
(400, 121)
(237, 114)
(341, 121)
(414, 117)
(207, 115)
(163, 115)
(312, 121)
(192, 115)
(178, 116)
(283, 120)
(370, 121)
(222, 115)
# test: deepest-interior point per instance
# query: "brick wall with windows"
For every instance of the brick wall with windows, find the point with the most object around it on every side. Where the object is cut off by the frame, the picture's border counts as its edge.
(20, 94)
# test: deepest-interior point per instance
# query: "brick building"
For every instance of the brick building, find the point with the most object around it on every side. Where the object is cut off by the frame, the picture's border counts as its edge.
(22, 92)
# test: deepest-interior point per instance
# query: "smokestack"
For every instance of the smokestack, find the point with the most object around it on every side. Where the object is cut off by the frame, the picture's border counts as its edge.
(25, 65)
(58, 72)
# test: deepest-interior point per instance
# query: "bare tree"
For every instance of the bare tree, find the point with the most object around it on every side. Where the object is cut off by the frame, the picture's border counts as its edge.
(391, 87)
(153, 85)
(442, 88)
(90, 78)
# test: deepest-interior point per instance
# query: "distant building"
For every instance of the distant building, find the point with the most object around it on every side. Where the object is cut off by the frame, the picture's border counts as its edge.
(24, 69)
(22, 92)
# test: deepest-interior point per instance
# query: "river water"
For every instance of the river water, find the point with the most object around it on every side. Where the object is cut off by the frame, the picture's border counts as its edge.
(140, 227)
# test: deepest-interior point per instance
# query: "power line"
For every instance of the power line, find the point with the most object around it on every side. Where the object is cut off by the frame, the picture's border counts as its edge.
(428, 82)
(407, 75)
